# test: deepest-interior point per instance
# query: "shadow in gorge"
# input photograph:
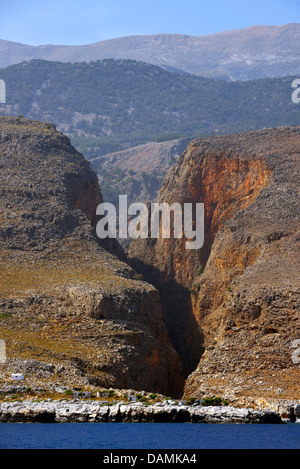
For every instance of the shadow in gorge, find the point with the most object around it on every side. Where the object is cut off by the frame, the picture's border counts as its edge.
(183, 329)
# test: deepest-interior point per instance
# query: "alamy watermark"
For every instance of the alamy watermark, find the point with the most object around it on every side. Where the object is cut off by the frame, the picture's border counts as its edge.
(2, 92)
(159, 221)
(296, 352)
(296, 93)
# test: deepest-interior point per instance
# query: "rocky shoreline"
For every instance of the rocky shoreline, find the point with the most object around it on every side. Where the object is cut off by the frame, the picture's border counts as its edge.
(92, 412)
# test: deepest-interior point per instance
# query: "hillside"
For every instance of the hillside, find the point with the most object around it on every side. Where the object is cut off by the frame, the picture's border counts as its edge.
(71, 311)
(245, 54)
(137, 172)
(109, 105)
(232, 307)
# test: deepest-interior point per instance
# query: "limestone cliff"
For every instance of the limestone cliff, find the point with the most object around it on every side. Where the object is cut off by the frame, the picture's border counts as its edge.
(233, 306)
(68, 302)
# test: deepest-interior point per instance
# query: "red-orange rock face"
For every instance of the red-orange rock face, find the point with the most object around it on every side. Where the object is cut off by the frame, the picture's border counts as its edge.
(235, 302)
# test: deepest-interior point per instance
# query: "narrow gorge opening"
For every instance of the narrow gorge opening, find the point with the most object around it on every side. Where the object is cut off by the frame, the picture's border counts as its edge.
(225, 185)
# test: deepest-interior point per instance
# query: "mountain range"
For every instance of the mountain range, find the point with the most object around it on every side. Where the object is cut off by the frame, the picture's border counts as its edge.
(255, 52)
(111, 105)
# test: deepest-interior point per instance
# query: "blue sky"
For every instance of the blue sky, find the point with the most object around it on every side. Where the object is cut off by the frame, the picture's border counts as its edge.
(83, 22)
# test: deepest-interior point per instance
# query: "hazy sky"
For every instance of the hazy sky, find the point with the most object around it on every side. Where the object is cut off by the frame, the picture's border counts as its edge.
(83, 22)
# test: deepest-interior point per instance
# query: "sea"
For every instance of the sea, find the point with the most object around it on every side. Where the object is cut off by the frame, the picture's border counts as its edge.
(149, 436)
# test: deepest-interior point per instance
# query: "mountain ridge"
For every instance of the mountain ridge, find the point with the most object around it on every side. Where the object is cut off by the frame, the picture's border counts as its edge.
(111, 105)
(241, 54)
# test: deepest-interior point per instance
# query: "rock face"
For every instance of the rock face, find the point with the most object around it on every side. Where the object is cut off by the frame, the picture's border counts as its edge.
(234, 305)
(68, 412)
(68, 300)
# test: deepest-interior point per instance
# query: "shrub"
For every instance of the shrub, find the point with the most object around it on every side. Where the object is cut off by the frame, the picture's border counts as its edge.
(143, 399)
(217, 401)
(214, 401)
(5, 316)
(138, 277)
(191, 401)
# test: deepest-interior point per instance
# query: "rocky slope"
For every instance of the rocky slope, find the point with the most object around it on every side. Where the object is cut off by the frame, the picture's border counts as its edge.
(68, 302)
(244, 54)
(233, 306)
(137, 172)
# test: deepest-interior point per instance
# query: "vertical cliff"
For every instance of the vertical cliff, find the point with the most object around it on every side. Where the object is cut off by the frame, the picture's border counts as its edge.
(233, 305)
(67, 299)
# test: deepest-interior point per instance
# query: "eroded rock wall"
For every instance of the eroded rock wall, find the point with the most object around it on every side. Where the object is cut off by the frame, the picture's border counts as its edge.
(240, 312)
(66, 297)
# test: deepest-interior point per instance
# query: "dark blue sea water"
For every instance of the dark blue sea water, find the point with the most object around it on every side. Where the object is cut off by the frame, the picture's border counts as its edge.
(149, 436)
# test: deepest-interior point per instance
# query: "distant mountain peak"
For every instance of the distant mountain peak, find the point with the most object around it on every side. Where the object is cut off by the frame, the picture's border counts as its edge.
(259, 51)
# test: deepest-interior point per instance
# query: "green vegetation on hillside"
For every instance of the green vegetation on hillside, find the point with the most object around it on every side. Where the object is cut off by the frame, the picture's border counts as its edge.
(109, 105)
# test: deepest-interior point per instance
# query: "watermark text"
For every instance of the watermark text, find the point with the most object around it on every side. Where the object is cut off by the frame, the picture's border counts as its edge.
(296, 93)
(296, 352)
(2, 351)
(2, 92)
(159, 221)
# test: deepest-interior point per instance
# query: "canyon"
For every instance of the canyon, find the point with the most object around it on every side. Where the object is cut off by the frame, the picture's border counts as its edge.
(217, 321)
(232, 308)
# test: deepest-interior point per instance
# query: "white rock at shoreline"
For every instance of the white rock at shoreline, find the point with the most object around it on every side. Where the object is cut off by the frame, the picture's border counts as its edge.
(65, 411)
